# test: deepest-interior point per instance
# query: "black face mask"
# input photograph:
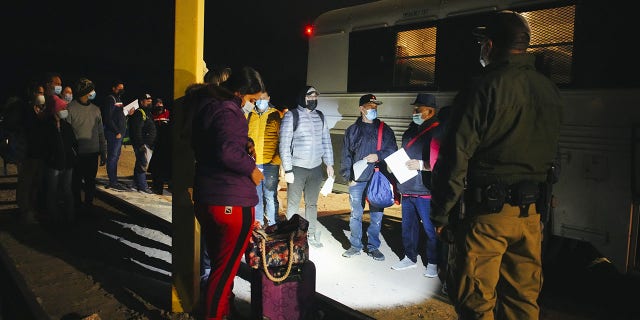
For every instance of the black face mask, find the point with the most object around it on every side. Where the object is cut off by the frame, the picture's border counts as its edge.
(312, 104)
(158, 109)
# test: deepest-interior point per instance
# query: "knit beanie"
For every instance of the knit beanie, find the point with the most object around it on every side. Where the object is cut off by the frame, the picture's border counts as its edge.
(84, 87)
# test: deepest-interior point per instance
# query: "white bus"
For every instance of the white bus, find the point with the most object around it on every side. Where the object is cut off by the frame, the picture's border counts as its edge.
(397, 48)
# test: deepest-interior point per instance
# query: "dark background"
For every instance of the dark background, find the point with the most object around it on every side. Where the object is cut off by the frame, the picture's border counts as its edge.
(133, 41)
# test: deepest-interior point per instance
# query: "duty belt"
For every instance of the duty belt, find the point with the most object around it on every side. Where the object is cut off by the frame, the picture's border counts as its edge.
(491, 198)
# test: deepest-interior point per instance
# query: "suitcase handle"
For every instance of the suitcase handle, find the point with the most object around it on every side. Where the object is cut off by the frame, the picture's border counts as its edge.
(264, 260)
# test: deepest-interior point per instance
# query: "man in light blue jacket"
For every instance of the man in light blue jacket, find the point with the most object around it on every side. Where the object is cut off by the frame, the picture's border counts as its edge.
(304, 145)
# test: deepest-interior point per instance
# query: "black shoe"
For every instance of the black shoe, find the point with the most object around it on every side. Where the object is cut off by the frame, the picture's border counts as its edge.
(376, 255)
(117, 187)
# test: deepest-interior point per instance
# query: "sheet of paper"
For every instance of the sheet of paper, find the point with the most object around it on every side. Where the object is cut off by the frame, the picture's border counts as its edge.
(358, 168)
(397, 162)
(132, 105)
(327, 187)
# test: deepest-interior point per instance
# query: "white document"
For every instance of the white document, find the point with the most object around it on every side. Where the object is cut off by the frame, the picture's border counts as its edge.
(132, 105)
(327, 187)
(397, 161)
(358, 168)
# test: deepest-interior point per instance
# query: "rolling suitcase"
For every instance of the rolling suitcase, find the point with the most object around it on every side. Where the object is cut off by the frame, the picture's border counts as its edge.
(291, 299)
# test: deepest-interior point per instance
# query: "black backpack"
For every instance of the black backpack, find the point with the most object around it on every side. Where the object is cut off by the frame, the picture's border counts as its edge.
(296, 117)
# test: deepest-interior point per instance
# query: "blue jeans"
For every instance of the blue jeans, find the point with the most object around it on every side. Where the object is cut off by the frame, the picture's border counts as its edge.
(414, 210)
(114, 147)
(140, 167)
(357, 196)
(307, 181)
(267, 194)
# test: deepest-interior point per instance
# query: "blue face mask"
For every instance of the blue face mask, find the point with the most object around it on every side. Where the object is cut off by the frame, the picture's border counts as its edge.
(262, 105)
(68, 97)
(57, 89)
(92, 95)
(372, 114)
(417, 118)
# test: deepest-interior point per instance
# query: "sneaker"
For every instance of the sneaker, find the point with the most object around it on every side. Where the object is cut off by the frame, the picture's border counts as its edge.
(351, 252)
(116, 187)
(432, 271)
(315, 243)
(404, 264)
(147, 191)
(376, 255)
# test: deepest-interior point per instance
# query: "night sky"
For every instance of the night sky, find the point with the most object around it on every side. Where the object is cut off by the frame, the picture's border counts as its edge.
(133, 41)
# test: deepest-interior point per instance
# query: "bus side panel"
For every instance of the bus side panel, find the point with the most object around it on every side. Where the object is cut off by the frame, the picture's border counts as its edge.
(594, 194)
(328, 77)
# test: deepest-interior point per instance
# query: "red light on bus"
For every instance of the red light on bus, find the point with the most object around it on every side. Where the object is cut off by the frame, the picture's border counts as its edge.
(308, 30)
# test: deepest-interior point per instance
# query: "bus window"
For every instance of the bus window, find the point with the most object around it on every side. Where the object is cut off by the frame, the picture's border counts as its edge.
(552, 41)
(415, 60)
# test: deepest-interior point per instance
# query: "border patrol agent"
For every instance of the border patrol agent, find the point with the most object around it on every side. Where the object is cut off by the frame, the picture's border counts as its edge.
(502, 140)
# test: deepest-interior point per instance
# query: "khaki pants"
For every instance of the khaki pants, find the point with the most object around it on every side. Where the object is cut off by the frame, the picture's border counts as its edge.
(495, 266)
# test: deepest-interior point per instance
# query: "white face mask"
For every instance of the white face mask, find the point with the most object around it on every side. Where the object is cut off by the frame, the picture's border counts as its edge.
(248, 106)
(92, 95)
(68, 97)
(57, 89)
(39, 100)
(63, 114)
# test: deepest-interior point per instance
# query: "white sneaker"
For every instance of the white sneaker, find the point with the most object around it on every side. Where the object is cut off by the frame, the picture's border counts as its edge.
(432, 271)
(404, 264)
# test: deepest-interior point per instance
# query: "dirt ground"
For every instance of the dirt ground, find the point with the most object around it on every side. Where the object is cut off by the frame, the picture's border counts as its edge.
(70, 281)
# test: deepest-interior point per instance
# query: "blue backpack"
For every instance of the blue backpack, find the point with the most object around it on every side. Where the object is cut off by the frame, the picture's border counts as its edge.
(380, 191)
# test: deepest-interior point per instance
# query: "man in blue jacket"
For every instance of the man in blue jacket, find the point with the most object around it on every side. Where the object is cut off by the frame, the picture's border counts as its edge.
(360, 143)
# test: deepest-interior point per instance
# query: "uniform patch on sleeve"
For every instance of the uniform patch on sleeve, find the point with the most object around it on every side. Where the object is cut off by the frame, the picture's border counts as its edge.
(228, 210)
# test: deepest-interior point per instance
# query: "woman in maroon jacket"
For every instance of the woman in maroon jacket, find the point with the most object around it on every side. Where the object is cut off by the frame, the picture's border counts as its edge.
(225, 182)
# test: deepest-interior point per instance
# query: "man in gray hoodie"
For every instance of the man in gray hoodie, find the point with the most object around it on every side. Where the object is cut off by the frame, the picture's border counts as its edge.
(304, 145)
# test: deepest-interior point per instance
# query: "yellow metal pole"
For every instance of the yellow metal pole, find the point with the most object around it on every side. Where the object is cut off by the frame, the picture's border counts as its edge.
(189, 68)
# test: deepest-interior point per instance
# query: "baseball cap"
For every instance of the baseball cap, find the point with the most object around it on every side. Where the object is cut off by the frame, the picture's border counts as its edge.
(312, 91)
(506, 29)
(425, 99)
(145, 96)
(369, 98)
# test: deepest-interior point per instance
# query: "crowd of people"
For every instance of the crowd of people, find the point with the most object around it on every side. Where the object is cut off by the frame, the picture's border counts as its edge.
(58, 136)
(240, 144)
(495, 145)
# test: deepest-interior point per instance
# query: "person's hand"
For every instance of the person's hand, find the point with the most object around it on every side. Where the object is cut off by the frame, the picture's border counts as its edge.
(414, 164)
(329, 171)
(352, 183)
(103, 159)
(288, 177)
(118, 136)
(257, 176)
(439, 232)
(371, 158)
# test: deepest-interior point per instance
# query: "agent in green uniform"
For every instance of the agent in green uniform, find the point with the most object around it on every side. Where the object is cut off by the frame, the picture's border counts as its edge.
(501, 143)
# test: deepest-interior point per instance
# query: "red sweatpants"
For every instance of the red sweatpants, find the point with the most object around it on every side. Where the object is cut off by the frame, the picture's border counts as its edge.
(227, 230)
